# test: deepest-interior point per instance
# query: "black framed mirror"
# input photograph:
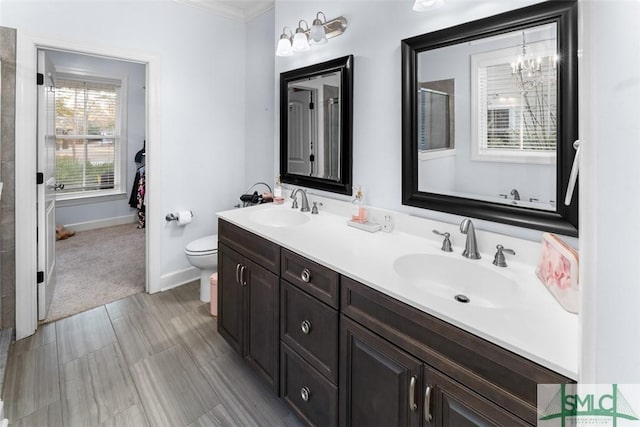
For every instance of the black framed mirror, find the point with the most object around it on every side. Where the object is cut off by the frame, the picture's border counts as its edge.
(316, 111)
(489, 117)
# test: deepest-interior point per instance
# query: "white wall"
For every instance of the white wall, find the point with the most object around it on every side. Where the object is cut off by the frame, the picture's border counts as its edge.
(79, 210)
(610, 191)
(377, 97)
(201, 93)
(260, 119)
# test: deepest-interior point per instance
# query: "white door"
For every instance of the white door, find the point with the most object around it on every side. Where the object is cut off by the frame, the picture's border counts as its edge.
(46, 192)
(301, 132)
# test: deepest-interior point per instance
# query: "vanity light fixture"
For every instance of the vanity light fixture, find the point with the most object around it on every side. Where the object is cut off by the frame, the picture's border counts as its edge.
(321, 30)
(301, 39)
(284, 44)
(425, 5)
(317, 33)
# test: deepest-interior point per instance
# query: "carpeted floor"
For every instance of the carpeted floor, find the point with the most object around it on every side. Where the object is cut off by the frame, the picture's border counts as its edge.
(96, 267)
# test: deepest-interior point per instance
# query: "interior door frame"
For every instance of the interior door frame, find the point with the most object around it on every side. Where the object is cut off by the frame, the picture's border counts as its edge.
(25, 167)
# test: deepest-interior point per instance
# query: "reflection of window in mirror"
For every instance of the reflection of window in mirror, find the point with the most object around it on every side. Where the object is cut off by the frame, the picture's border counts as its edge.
(436, 122)
(514, 93)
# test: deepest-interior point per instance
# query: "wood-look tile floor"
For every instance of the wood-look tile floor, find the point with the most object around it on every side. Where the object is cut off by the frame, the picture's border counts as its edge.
(146, 360)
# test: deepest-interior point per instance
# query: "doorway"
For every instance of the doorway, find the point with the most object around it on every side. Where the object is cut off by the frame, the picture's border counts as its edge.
(98, 157)
(26, 171)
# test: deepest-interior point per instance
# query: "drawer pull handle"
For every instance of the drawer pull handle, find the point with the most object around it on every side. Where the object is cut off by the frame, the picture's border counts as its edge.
(305, 275)
(305, 393)
(306, 327)
(427, 404)
(238, 273)
(412, 394)
(243, 280)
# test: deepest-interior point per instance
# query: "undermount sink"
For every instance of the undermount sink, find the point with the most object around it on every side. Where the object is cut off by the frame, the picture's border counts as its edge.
(278, 217)
(457, 280)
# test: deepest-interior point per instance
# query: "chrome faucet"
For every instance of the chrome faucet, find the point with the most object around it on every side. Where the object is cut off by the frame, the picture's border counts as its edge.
(305, 201)
(515, 194)
(471, 247)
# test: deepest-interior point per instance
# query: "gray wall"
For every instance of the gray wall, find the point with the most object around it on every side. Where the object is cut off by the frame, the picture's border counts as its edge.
(7, 168)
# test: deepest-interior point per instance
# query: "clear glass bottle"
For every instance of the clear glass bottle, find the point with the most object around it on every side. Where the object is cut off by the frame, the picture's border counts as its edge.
(277, 189)
(359, 211)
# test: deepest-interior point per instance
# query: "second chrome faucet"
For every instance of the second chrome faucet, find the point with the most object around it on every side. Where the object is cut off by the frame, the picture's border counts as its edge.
(471, 246)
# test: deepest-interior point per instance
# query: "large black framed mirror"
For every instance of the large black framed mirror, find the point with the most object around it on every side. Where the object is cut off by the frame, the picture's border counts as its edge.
(490, 115)
(316, 111)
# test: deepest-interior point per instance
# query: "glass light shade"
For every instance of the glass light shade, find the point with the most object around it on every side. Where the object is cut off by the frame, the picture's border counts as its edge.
(300, 42)
(424, 5)
(284, 47)
(317, 34)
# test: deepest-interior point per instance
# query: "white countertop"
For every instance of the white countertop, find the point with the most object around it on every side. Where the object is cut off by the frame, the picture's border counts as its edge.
(533, 325)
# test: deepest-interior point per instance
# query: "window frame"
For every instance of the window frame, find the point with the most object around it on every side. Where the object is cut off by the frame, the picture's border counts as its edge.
(480, 114)
(120, 141)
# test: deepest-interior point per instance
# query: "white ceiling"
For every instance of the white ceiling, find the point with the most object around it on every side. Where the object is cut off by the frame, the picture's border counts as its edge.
(238, 9)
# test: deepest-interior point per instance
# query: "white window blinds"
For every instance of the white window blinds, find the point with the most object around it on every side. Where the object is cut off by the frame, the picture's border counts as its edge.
(517, 113)
(87, 134)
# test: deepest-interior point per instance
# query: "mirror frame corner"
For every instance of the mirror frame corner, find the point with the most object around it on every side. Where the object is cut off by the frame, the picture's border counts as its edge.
(345, 184)
(564, 220)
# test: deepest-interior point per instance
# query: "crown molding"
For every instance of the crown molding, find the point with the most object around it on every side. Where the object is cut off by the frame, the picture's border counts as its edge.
(248, 11)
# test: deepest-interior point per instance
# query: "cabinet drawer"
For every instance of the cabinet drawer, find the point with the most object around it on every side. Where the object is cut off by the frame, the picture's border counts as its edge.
(310, 328)
(257, 249)
(316, 279)
(501, 376)
(311, 396)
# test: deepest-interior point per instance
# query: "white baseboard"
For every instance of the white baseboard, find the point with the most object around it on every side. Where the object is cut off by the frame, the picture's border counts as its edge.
(102, 223)
(177, 278)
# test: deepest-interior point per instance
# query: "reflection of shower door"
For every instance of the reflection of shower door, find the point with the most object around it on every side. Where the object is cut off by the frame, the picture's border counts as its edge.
(301, 130)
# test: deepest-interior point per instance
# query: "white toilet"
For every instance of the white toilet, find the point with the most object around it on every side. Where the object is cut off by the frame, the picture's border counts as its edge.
(203, 254)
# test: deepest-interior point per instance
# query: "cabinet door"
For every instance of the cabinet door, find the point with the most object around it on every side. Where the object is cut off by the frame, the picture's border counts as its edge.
(449, 404)
(230, 297)
(379, 383)
(262, 346)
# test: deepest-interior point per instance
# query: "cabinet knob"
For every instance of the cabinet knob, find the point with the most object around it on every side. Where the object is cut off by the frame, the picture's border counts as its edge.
(305, 275)
(305, 393)
(306, 327)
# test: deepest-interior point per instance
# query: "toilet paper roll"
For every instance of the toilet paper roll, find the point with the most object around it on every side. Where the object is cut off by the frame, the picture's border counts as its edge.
(184, 217)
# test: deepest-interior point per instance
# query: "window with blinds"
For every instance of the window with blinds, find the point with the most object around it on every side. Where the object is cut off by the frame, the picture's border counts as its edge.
(516, 105)
(87, 135)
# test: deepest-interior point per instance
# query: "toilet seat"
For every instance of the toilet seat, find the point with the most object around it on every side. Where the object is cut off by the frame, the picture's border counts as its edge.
(207, 245)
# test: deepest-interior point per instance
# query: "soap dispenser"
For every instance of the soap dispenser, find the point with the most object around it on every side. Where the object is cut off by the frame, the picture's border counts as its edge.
(359, 211)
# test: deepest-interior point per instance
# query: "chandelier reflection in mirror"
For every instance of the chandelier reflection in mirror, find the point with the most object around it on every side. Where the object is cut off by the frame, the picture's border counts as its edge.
(528, 72)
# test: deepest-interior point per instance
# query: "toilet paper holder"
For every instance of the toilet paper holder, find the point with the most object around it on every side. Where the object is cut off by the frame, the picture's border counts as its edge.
(174, 217)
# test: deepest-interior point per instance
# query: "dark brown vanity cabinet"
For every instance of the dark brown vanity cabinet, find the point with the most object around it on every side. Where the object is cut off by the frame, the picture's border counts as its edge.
(248, 301)
(341, 353)
(465, 380)
(383, 385)
(379, 383)
(309, 333)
